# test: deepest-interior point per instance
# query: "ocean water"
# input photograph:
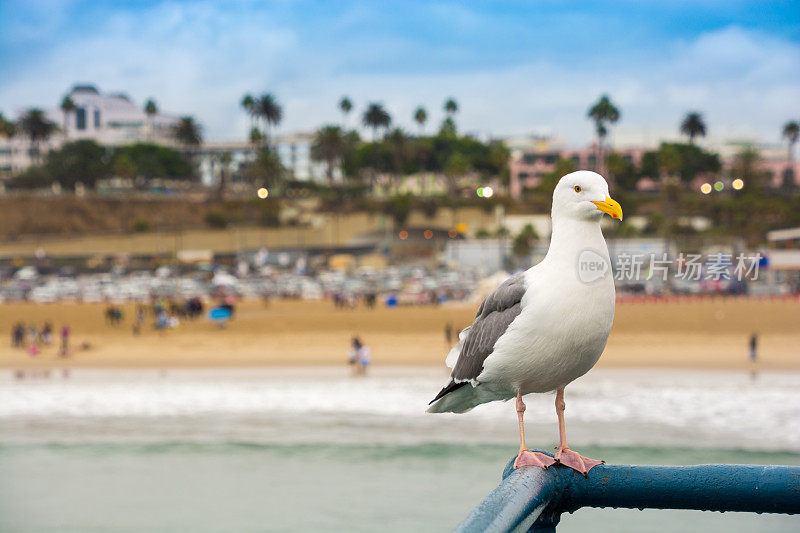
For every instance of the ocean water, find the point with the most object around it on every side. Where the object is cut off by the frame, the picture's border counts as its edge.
(313, 449)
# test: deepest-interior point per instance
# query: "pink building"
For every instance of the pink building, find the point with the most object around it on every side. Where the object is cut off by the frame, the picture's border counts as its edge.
(527, 168)
(777, 168)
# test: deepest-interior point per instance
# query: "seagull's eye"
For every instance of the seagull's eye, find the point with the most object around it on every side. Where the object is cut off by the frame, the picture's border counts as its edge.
(577, 188)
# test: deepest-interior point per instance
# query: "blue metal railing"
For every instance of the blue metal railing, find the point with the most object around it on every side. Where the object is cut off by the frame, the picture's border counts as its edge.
(533, 499)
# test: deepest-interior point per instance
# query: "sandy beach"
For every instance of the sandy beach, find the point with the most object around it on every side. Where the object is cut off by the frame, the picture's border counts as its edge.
(696, 334)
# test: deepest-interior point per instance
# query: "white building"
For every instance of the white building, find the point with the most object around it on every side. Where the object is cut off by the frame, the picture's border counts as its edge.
(293, 149)
(107, 118)
(113, 119)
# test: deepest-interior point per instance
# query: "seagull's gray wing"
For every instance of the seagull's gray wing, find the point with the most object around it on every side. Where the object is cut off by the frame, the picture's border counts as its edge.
(495, 314)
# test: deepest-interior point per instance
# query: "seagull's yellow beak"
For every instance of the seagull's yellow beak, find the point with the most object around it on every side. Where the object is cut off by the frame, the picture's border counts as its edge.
(610, 207)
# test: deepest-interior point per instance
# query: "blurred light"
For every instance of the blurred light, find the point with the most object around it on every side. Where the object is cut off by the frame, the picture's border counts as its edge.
(263, 193)
(461, 227)
(480, 191)
(718, 186)
(452, 234)
(705, 188)
(428, 234)
(738, 184)
(488, 192)
(403, 235)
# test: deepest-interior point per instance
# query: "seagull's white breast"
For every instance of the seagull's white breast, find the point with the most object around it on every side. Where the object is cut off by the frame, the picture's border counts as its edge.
(559, 335)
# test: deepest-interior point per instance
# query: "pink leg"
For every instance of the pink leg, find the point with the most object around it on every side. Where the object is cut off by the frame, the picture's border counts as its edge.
(525, 456)
(564, 455)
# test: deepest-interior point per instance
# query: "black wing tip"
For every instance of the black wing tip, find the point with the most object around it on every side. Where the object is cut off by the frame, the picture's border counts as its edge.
(448, 389)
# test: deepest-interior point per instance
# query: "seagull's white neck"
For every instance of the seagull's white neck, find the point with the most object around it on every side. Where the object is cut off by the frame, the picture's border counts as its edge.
(572, 236)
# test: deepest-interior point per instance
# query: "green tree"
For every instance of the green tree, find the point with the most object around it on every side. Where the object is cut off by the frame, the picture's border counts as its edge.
(679, 160)
(270, 111)
(124, 167)
(693, 126)
(35, 177)
(376, 117)
(669, 160)
(329, 146)
(67, 107)
(78, 161)
(7, 128)
(524, 241)
(791, 132)
(256, 137)
(604, 113)
(345, 106)
(450, 107)
(420, 117)
(499, 157)
(248, 104)
(746, 165)
(399, 207)
(152, 161)
(448, 128)
(151, 110)
(38, 128)
(188, 133)
(266, 170)
(398, 142)
(621, 169)
(457, 165)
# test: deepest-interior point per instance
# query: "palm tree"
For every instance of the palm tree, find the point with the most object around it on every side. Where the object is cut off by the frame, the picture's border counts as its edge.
(35, 124)
(248, 103)
(188, 133)
(376, 117)
(791, 132)
(151, 110)
(693, 126)
(270, 111)
(397, 139)
(450, 107)
(67, 107)
(7, 128)
(328, 146)
(603, 113)
(345, 106)
(256, 137)
(420, 117)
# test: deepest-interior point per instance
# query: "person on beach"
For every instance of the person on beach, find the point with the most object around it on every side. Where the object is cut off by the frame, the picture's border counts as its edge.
(18, 335)
(355, 347)
(754, 355)
(448, 334)
(360, 357)
(162, 320)
(65, 333)
(364, 360)
(47, 334)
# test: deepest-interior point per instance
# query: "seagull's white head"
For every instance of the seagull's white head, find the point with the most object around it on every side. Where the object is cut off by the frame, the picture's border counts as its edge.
(583, 195)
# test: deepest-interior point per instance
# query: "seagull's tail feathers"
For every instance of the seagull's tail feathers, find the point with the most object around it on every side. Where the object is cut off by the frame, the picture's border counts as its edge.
(456, 397)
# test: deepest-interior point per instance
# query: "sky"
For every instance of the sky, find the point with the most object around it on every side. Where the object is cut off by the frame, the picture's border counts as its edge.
(515, 68)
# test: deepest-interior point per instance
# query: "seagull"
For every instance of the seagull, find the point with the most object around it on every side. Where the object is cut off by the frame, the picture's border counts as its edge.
(543, 328)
